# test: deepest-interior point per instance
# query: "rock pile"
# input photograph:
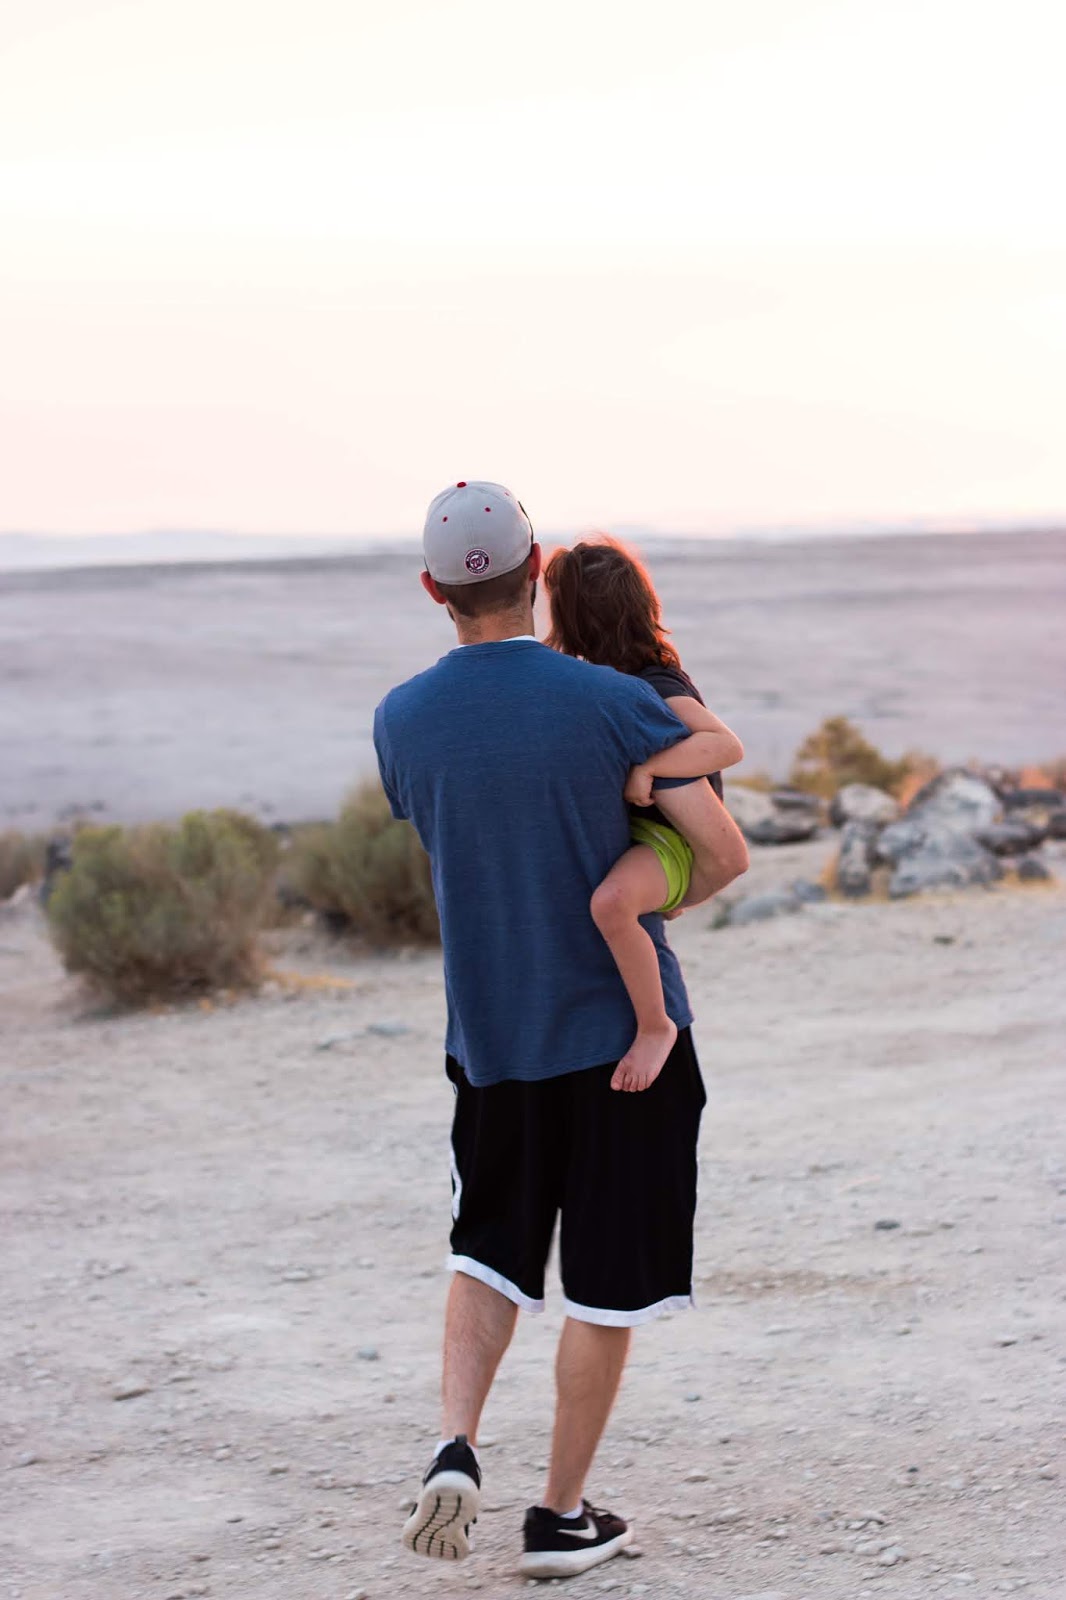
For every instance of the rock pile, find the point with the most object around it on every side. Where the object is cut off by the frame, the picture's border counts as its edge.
(955, 832)
(963, 828)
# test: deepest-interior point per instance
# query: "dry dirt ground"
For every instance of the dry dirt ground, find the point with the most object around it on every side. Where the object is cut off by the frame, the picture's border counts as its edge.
(224, 1230)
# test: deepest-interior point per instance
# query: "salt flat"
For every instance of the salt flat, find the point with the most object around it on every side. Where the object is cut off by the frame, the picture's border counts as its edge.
(141, 692)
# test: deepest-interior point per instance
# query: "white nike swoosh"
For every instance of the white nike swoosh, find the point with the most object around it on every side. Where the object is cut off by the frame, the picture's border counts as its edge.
(578, 1533)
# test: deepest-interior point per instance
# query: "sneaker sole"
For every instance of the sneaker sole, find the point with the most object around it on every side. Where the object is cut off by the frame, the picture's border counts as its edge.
(437, 1526)
(564, 1563)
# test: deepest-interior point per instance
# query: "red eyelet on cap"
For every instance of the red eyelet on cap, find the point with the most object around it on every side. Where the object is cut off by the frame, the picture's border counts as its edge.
(461, 485)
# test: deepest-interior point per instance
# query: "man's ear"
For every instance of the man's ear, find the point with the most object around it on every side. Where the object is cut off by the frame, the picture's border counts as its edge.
(431, 589)
(536, 561)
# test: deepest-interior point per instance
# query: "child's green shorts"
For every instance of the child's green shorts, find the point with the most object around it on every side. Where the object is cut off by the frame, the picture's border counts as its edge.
(674, 853)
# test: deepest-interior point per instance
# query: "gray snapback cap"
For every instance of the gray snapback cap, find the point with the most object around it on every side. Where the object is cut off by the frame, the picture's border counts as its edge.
(473, 532)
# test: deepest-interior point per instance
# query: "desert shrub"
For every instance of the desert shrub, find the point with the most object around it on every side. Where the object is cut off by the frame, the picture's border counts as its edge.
(760, 781)
(165, 912)
(836, 754)
(21, 861)
(368, 873)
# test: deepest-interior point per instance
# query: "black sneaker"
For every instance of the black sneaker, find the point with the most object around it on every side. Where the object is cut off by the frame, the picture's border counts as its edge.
(439, 1525)
(557, 1547)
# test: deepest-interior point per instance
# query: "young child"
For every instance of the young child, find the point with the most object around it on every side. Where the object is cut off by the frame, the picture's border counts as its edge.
(605, 609)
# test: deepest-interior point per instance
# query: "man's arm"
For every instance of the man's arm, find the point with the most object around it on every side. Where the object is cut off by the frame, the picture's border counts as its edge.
(717, 843)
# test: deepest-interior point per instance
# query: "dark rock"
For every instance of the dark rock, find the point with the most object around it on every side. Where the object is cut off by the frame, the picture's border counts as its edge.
(797, 800)
(785, 828)
(899, 839)
(1020, 799)
(809, 894)
(885, 1224)
(761, 907)
(942, 861)
(1031, 869)
(856, 859)
(1009, 838)
(861, 802)
(763, 822)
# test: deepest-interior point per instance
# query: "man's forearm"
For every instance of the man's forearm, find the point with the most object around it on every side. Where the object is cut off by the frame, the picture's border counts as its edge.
(721, 855)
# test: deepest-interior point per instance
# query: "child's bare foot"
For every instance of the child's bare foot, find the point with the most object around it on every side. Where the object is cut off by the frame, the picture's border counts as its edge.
(643, 1061)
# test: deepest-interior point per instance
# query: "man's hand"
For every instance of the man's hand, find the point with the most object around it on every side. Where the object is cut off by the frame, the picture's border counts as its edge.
(638, 786)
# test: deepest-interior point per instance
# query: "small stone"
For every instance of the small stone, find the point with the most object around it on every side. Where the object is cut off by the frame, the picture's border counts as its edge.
(388, 1030)
(891, 1557)
(833, 1548)
(368, 1352)
(721, 1519)
(130, 1390)
(694, 1396)
(632, 1552)
(885, 1224)
(297, 1275)
(695, 1476)
(278, 1468)
(1048, 1472)
(1005, 1340)
(29, 1459)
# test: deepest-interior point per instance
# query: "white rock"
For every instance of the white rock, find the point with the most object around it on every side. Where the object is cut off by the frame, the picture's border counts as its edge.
(861, 802)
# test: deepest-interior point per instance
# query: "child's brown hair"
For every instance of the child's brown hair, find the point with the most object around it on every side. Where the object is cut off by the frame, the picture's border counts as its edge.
(605, 609)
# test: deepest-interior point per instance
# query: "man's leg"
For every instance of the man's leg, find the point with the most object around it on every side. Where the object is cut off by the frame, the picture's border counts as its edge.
(588, 1370)
(478, 1325)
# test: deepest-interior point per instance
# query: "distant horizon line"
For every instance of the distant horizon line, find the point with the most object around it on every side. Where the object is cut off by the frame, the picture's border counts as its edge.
(25, 554)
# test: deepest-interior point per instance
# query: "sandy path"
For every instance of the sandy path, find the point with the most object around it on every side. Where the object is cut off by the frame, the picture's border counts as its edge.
(216, 1209)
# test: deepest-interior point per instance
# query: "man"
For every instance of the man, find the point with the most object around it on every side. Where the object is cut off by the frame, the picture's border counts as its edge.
(510, 760)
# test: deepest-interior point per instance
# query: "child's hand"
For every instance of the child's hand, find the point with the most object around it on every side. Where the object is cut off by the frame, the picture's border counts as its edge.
(638, 786)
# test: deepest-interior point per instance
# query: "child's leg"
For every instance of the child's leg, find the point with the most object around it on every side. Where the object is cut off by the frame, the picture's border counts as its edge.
(635, 886)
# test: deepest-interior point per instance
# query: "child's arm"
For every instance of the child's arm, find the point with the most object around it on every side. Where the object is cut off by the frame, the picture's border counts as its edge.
(709, 747)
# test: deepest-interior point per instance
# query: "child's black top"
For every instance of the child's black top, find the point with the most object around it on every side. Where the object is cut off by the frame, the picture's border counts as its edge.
(667, 682)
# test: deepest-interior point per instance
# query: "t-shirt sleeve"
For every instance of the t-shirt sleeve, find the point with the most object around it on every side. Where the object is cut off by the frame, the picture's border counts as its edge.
(667, 681)
(386, 767)
(647, 723)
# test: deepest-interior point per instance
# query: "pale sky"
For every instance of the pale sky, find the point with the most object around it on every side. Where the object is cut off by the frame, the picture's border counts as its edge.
(292, 265)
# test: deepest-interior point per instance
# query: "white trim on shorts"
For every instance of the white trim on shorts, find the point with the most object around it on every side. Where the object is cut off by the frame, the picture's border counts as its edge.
(495, 1280)
(627, 1319)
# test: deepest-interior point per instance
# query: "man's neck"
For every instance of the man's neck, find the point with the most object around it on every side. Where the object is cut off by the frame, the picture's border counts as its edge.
(493, 628)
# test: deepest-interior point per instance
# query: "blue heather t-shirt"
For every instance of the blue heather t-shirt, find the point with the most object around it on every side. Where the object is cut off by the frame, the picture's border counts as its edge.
(510, 760)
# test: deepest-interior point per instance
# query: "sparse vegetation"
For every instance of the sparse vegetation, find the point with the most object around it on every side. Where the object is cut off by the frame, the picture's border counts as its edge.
(368, 873)
(837, 753)
(165, 912)
(21, 861)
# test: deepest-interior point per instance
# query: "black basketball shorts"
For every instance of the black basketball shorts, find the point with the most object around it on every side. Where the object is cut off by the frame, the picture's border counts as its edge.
(619, 1170)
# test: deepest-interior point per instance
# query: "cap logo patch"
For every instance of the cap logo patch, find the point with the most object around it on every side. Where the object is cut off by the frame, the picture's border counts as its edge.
(477, 562)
